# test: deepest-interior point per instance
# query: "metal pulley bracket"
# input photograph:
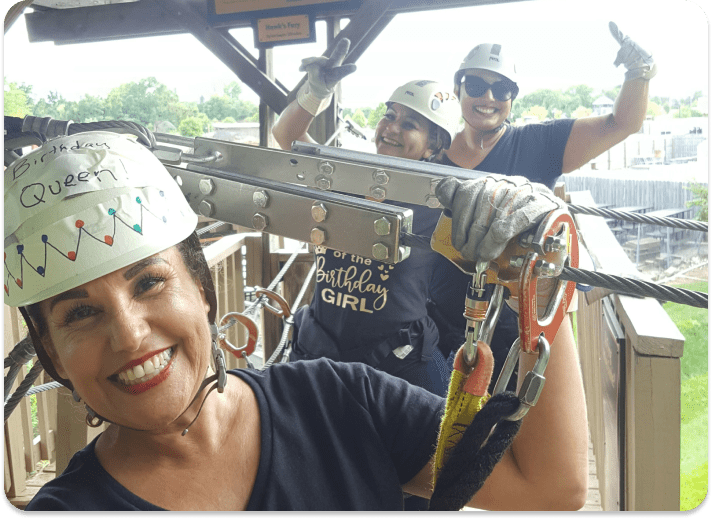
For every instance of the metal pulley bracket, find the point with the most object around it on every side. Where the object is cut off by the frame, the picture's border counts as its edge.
(328, 169)
(332, 220)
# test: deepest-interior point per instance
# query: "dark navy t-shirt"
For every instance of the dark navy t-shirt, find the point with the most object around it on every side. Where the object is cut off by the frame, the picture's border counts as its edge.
(361, 301)
(335, 436)
(534, 151)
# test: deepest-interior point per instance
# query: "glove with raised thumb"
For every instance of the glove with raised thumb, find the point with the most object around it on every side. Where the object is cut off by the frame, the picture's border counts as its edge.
(638, 62)
(323, 74)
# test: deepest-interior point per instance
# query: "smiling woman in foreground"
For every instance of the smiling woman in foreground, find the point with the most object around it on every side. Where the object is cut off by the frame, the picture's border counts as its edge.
(119, 301)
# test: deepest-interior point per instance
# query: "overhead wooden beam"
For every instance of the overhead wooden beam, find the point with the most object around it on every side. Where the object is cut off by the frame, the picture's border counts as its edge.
(229, 51)
(370, 17)
(145, 18)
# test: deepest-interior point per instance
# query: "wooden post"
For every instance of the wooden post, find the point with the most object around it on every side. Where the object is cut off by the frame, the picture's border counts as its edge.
(653, 347)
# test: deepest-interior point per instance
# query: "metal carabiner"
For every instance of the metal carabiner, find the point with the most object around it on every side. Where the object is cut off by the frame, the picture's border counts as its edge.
(533, 381)
(283, 310)
(252, 331)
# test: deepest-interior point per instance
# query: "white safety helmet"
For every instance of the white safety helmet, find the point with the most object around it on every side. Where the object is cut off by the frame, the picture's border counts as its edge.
(432, 100)
(83, 206)
(488, 56)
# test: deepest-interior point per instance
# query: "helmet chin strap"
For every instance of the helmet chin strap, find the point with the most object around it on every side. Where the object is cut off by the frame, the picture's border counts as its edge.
(220, 374)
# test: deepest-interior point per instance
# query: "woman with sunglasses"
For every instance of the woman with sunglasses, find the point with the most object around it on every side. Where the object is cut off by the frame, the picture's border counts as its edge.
(486, 83)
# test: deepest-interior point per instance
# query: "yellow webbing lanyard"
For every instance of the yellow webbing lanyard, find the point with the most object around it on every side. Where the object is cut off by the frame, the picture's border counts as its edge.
(466, 396)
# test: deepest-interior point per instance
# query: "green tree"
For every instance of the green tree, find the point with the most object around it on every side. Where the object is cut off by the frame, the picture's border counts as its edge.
(16, 102)
(580, 112)
(537, 111)
(701, 192)
(654, 109)
(87, 110)
(144, 102)
(359, 118)
(179, 110)
(376, 115)
(233, 90)
(194, 126)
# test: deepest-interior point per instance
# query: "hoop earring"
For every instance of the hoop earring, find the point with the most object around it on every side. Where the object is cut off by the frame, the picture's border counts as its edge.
(92, 419)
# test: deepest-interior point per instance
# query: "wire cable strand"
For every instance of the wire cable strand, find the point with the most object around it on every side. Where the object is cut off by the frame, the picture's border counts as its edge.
(677, 223)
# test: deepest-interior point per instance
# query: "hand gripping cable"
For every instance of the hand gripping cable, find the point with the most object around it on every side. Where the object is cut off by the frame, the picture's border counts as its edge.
(476, 430)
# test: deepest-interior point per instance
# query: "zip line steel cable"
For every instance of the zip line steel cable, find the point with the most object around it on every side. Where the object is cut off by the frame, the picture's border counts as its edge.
(617, 284)
(677, 223)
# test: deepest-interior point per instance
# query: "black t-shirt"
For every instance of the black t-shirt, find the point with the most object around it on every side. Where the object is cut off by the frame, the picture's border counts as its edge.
(335, 436)
(534, 151)
(360, 300)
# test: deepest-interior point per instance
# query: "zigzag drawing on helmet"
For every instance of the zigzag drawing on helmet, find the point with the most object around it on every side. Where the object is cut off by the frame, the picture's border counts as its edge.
(73, 255)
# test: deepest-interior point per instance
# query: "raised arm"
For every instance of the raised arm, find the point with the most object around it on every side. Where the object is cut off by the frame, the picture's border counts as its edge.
(546, 467)
(591, 136)
(323, 74)
(292, 125)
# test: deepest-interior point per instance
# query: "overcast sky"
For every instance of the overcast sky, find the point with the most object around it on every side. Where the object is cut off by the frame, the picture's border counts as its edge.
(556, 44)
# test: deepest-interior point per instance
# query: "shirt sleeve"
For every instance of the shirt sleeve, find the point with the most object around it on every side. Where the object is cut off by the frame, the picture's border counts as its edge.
(406, 417)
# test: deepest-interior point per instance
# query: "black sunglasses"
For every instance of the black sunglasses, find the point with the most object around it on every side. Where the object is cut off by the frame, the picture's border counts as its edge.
(503, 90)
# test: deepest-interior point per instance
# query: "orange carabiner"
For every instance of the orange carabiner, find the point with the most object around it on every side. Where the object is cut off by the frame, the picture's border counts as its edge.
(283, 310)
(558, 228)
(252, 331)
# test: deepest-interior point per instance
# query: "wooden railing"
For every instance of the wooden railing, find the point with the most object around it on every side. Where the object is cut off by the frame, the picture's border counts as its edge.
(61, 421)
(630, 355)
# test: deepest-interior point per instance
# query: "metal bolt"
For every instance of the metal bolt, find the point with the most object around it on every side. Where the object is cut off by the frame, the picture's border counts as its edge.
(525, 240)
(544, 268)
(555, 244)
(260, 198)
(516, 261)
(207, 186)
(206, 208)
(380, 177)
(326, 168)
(318, 235)
(319, 212)
(432, 201)
(259, 221)
(382, 226)
(378, 193)
(323, 183)
(380, 251)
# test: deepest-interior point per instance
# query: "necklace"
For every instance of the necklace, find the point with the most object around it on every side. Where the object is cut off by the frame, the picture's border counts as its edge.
(496, 133)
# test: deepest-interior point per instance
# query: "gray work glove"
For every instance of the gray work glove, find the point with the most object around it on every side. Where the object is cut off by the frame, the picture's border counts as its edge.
(323, 74)
(637, 61)
(489, 211)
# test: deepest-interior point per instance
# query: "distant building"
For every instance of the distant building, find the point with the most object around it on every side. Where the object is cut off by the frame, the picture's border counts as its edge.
(603, 105)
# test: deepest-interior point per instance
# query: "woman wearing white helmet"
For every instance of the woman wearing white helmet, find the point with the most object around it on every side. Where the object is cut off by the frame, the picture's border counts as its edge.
(486, 83)
(364, 310)
(101, 255)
